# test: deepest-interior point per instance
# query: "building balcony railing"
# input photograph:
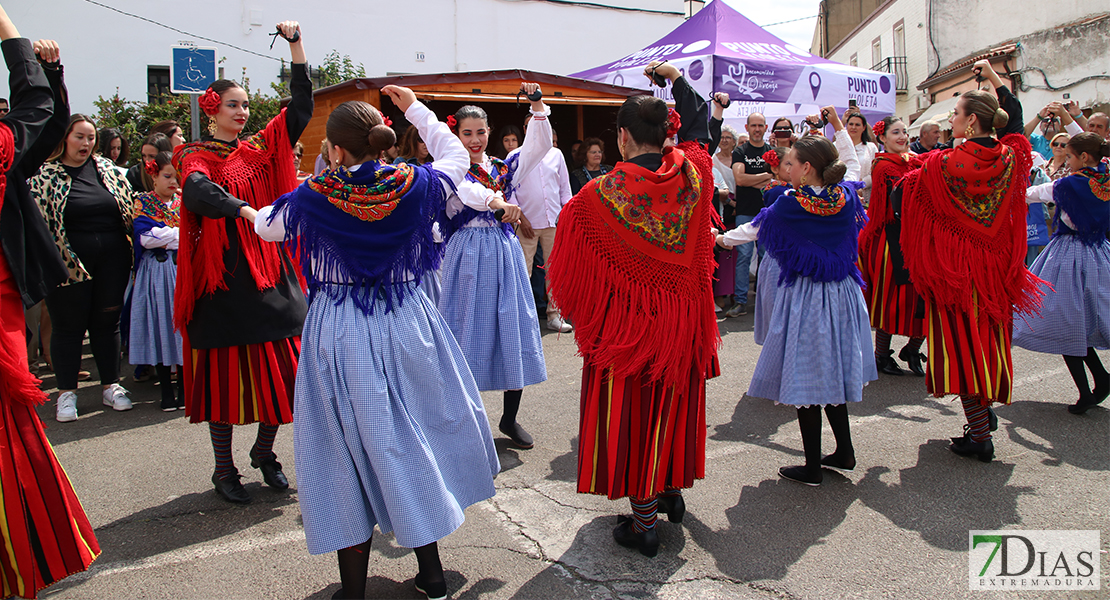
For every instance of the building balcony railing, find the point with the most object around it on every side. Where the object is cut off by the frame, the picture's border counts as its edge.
(895, 65)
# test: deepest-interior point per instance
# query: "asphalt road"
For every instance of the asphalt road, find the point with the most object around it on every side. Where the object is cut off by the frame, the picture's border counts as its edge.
(895, 528)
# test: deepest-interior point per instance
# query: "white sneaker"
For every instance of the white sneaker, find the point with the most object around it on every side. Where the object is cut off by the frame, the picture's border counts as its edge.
(67, 407)
(117, 397)
(558, 324)
(717, 308)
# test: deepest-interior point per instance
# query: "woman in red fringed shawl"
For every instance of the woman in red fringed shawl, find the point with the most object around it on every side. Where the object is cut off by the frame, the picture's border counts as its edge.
(891, 299)
(238, 302)
(964, 240)
(631, 268)
(43, 529)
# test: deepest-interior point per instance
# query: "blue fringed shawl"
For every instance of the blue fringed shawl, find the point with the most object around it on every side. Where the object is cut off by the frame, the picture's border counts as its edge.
(375, 247)
(502, 178)
(1090, 213)
(824, 248)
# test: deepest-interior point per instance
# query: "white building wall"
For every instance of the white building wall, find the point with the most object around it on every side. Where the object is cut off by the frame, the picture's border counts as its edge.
(914, 14)
(961, 28)
(103, 50)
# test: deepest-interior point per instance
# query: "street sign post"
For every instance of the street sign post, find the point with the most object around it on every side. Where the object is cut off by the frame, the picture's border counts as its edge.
(192, 70)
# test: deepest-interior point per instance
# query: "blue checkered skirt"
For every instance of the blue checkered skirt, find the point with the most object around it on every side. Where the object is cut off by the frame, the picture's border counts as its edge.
(817, 348)
(1075, 316)
(153, 340)
(488, 304)
(390, 429)
(765, 292)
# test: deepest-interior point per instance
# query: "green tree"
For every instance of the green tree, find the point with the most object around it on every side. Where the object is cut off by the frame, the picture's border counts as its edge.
(337, 69)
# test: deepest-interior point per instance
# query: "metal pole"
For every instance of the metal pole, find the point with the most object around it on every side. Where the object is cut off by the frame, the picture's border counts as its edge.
(194, 116)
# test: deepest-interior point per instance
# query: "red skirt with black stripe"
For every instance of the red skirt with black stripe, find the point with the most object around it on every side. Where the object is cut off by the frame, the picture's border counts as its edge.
(45, 533)
(241, 384)
(969, 355)
(638, 436)
(891, 306)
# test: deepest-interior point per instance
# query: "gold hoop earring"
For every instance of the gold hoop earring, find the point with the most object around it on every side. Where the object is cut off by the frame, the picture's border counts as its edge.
(212, 128)
(969, 132)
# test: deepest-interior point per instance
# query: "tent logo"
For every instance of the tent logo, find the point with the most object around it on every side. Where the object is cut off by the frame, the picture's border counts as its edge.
(1033, 560)
(815, 83)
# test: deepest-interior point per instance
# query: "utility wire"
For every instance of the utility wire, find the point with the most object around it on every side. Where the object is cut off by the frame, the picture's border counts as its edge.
(790, 21)
(201, 37)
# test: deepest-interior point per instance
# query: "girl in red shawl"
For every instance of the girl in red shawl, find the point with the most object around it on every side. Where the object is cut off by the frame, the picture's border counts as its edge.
(43, 529)
(964, 239)
(891, 299)
(238, 303)
(632, 269)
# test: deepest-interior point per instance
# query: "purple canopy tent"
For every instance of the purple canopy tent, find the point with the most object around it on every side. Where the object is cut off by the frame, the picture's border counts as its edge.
(720, 50)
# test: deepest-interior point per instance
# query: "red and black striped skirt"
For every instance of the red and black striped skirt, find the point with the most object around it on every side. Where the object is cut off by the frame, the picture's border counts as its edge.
(639, 436)
(968, 354)
(891, 305)
(241, 384)
(45, 533)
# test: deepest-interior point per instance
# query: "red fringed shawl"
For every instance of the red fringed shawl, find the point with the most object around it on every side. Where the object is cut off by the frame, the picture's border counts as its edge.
(963, 229)
(258, 171)
(632, 267)
(16, 381)
(887, 168)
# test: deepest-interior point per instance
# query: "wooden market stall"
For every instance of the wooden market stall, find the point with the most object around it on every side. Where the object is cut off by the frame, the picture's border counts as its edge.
(579, 108)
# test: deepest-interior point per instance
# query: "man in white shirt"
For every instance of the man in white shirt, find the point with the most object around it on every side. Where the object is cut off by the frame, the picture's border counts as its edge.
(541, 196)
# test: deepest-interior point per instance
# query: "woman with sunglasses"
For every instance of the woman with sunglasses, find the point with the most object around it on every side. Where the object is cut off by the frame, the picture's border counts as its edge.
(1057, 167)
(782, 133)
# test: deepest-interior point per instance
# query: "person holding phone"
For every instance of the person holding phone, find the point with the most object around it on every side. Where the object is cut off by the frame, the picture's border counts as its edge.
(1054, 118)
(782, 133)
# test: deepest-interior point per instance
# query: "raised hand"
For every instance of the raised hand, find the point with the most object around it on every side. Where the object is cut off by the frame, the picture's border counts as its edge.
(47, 51)
(402, 97)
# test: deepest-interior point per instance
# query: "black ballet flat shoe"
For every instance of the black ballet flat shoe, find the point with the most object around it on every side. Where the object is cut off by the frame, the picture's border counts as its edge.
(801, 475)
(966, 437)
(984, 451)
(646, 542)
(168, 404)
(434, 590)
(271, 471)
(885, 363)
(517, 435)
(674, 506)
(836, 463)
(1083, 405)
(992, 419)
(231, 490)
(914, 360)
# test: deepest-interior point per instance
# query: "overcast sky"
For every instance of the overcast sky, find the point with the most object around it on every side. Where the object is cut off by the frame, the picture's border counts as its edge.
(798, 33)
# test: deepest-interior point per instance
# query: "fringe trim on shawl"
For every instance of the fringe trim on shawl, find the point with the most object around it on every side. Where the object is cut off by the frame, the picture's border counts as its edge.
(16, 381)
(800, 257)
(200, 268)
(885, 174)
(631, 312)
(948, 262)
(321, 255)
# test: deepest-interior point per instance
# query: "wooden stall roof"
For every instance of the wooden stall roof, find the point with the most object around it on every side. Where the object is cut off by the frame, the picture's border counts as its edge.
(476, 87)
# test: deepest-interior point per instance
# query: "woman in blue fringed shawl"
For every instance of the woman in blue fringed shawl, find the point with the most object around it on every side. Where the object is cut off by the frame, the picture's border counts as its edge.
(1075, 318)
(817, 349)
(390, 429)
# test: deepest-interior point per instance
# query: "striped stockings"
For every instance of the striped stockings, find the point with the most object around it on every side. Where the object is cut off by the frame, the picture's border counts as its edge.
(221, 446)
(977, 418)
(644, 513)
(882, 342)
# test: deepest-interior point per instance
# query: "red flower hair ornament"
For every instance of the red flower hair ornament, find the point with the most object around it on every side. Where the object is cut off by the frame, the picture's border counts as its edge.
(210, 102)
(879, 128)
(452, 122)
(674, 122)
(151, 167)
(771, 158)
(387, 121)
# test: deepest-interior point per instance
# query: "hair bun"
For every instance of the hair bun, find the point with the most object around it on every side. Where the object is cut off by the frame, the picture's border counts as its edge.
(1000, 118)
(381, 138)
(834, 173)
(654, 111)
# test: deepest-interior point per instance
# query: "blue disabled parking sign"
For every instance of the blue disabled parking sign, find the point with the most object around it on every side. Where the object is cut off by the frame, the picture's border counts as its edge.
(192, 69)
